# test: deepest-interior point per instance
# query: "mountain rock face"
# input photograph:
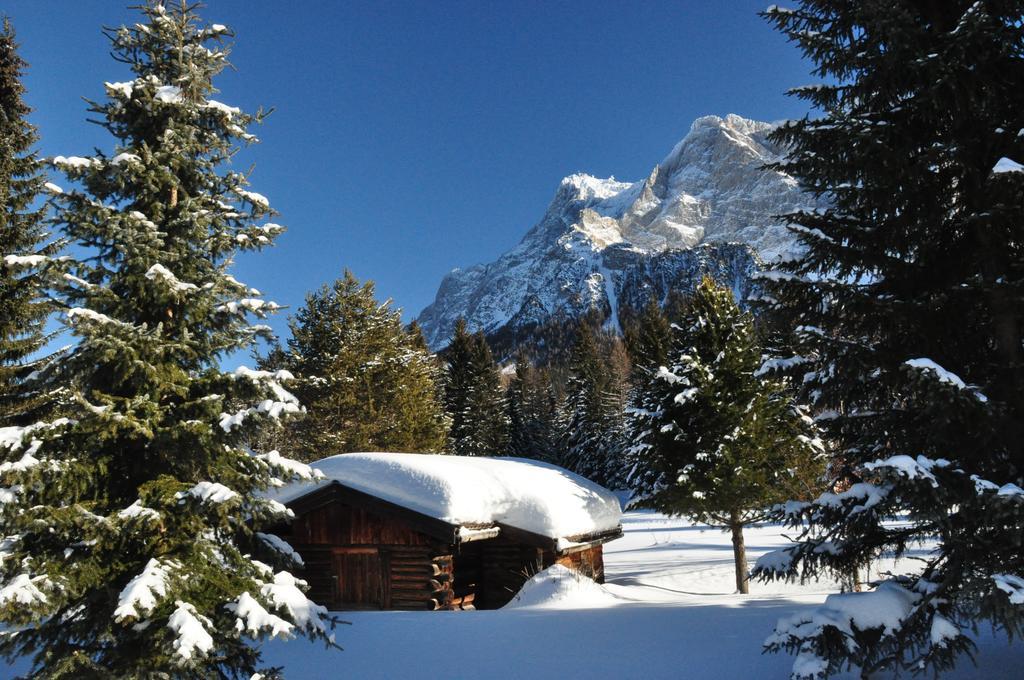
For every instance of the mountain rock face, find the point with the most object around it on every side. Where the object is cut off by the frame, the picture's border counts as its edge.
(707, 208)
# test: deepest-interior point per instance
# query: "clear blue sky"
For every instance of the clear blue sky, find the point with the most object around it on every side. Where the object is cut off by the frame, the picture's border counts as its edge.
(413, 137)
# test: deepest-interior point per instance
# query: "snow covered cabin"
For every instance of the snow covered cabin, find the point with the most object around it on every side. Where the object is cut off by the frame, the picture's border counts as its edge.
(423, 531)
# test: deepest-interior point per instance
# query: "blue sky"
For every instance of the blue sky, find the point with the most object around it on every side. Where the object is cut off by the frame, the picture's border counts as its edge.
(413, 137)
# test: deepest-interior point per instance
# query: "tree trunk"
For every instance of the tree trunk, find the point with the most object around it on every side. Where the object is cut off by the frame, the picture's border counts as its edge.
(739, 553)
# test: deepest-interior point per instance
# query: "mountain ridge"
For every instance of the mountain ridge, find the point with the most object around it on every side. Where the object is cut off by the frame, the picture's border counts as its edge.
(709, 197)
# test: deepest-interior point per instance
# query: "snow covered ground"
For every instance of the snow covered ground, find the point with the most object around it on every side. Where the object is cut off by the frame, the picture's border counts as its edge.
(667, 611)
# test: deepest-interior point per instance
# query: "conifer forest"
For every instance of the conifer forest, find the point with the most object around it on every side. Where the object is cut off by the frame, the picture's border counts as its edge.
(759, 414)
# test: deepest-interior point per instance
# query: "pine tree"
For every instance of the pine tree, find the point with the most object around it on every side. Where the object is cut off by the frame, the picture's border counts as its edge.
(534, 430)
(474, 399)
(367, 383)
(416, 336)
(909, 313)
(592, 438)
(457, 383)
(22, 308)
(585, 402)
(520, 424)
(437, 371)
(130, 526)
(648, 336)
(713, 439)
(487, 400)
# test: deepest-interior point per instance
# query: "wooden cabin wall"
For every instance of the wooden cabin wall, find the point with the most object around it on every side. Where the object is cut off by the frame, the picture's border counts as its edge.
(317, 571)
(468, 570)
(339, 524)
(589, 562)
(355, 559)
(489, 573)
(419, 577)
(507, 566)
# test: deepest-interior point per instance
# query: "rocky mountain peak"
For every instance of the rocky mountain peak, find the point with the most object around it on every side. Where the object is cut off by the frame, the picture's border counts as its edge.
(586, 251)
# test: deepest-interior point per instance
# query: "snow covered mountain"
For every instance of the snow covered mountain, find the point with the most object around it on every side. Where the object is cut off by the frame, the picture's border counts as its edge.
(707, 207)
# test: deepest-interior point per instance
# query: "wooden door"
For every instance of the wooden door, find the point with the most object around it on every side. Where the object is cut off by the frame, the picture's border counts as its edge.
(360, 579)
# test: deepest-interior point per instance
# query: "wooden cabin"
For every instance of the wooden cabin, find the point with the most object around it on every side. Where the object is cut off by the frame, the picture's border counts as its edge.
(383, 547)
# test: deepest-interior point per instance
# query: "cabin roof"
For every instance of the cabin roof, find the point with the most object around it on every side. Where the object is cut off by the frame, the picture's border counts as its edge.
(469, 498)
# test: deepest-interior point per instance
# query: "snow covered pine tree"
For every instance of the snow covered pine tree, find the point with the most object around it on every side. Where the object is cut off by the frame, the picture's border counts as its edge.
(534, 430)
(130, 527)
(22, 309)
(474, 399)
(713, 438)
(909, 309)
(592, 439)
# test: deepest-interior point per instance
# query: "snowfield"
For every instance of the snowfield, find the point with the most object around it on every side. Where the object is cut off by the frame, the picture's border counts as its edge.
(666, 611)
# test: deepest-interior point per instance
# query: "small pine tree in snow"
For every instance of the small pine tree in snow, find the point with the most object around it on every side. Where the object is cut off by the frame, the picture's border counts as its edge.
(365, 381)
(474, 399)
(910, 318)
(22, 310)
(131, 527)
(712, 438)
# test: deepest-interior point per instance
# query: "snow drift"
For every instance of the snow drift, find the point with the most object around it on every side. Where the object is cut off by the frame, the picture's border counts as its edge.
(560, 587)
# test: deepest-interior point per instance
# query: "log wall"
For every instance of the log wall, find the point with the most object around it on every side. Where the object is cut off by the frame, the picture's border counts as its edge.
(357, 559)
(489, 573)
(589, 562)
(339, 524)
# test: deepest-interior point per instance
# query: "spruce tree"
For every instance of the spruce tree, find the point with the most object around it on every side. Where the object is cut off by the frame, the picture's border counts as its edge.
(487, 400)
(519, 420)
(22, 253)
(130, 527)
(585, 402)
(416, 338)
(592, 437)
(474, 398)
(908, 305)
(366, 381)
(457, 383)
(714, 439)
(533, 412)
(648, 336)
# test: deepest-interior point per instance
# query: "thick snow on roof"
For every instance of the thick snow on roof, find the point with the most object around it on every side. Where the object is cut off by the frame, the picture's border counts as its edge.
(461, 490)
